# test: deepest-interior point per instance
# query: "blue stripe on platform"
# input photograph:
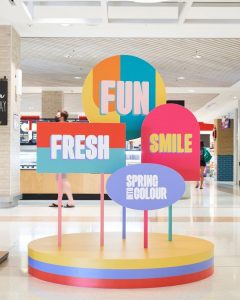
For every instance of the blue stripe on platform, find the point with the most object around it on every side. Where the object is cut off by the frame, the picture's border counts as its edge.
(120, 273)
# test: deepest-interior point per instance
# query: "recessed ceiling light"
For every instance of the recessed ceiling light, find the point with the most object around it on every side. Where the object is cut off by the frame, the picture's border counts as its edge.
(197, 56)
(235, 97)
(78, 77)
(65, 24)
(191, 91)
(181, 78)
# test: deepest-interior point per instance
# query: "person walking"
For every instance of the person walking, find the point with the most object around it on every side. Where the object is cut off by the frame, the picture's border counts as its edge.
(205, 157)
(63, 117)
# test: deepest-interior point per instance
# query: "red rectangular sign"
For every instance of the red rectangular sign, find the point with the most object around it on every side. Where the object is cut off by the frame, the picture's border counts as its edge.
(80, 147)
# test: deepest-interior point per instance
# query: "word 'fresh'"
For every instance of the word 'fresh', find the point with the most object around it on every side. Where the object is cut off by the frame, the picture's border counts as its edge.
(80, 146)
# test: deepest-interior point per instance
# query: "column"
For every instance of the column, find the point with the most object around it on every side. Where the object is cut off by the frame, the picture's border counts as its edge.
(238, 144)
(52, 101)
(9, 134)
(224, 151)
(235, 147)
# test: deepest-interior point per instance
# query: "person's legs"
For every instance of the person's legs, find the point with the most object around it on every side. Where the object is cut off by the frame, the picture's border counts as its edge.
(57, 179)
(197, 184)
(68, 190)
(201, 176)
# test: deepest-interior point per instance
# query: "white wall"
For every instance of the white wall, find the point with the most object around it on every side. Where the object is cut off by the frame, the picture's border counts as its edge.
(73, 104)
(31, 104)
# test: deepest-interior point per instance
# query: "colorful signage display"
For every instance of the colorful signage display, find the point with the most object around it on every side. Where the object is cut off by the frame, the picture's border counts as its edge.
(80, 147)
(171, 137)
(145, 186)
(122, 89)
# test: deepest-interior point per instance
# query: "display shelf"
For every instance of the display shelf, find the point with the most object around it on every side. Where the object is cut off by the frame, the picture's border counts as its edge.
(28, 157)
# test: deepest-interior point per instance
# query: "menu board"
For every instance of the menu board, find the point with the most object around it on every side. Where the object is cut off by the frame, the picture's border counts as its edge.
(28, 132)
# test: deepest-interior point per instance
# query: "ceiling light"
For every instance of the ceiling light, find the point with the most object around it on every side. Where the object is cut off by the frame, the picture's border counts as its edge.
(68, 56)
(191, 91)
(181, 78)
(235, 98)
(65, 24)
(78, 77)
(197, 56)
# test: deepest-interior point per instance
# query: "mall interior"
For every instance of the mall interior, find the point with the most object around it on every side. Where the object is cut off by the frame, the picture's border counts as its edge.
(47, 50)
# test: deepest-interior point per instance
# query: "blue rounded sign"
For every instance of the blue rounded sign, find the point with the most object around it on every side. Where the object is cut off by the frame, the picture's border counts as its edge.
(145, 186)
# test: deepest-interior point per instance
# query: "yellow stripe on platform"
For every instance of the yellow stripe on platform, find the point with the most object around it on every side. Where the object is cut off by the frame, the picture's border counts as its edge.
(83, 250)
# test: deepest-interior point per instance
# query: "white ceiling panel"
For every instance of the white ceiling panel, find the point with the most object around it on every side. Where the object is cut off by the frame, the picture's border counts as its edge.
(160, 13)
(156, 19)
(67, 12)
(219, 13)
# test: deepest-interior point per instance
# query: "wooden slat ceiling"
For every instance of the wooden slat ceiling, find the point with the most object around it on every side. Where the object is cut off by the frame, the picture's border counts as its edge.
(56, 61)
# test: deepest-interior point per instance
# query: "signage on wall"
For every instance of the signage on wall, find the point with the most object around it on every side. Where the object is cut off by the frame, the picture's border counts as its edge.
(171, 137)
(122, 89)
(179, 102)
(3, 101)
(80, 147)
(145, 186)
(225, 122)
(24, 132)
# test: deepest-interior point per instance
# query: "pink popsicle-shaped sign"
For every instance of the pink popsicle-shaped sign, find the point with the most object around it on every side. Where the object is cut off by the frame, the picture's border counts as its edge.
(171, 137)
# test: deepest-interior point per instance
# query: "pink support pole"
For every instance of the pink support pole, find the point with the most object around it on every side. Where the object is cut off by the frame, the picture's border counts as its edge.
(145, 229)
(102, 210)
(60, 194)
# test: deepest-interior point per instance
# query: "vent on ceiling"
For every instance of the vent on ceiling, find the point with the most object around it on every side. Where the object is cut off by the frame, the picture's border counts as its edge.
(211, 104)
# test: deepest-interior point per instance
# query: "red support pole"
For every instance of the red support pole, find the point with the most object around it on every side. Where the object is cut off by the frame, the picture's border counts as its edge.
(60, 194)
(101, 210)
(145, 229)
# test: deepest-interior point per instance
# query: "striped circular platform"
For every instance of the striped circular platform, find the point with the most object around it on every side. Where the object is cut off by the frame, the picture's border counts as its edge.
(121, 264)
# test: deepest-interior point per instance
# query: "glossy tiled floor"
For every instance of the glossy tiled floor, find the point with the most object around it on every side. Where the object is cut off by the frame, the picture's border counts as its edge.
(212, 213)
